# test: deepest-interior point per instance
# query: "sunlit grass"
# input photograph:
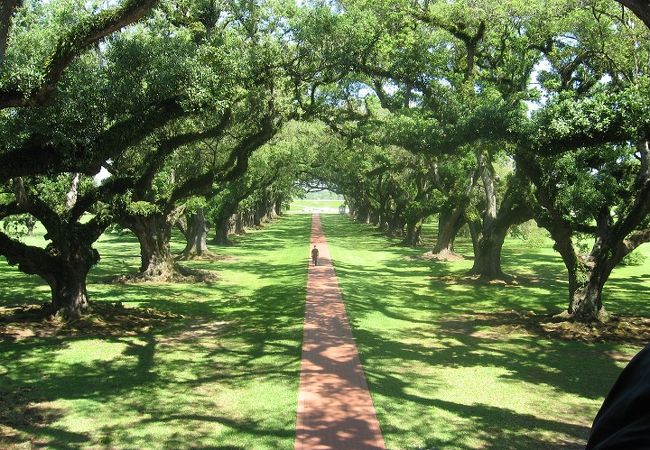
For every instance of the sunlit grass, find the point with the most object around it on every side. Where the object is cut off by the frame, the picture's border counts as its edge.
(439, 379)
(227, 374)
(224, 376)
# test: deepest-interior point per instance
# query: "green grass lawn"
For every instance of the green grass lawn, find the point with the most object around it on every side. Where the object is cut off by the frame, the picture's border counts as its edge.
(224, 376)
(445, 368)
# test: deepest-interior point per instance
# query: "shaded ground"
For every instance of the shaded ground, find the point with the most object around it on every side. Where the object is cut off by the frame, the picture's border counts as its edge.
(102, 319)
(628, 330)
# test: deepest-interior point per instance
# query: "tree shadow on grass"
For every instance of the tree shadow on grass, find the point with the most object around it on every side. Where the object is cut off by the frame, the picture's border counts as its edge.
(405, 317)
(505, 429)
(134, 381)
(228, 340)
(588, 373)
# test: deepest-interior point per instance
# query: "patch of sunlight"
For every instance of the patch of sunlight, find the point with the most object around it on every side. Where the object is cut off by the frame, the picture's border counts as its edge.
(262, 396)
(486, 352)
(374, 318)
(81, 415)
(495, 386)
(431, 343)
(452, 342)
(89, 350)
(457, 288)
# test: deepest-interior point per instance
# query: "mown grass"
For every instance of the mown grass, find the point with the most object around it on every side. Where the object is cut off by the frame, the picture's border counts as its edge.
(440, 378)
(224, 376)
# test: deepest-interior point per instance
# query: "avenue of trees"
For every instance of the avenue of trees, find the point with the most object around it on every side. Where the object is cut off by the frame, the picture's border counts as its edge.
(207, 114)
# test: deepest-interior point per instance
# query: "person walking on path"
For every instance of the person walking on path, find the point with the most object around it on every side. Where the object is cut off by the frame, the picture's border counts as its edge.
(314, 256)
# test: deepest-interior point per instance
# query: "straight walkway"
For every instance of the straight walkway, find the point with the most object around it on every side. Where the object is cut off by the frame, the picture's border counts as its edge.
(335, 410)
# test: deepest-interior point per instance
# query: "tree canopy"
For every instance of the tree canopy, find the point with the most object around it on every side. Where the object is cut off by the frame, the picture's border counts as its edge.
(209, 114)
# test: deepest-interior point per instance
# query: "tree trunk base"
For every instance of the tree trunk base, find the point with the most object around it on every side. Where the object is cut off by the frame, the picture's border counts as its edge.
(602, 317)
(496, 278)
(177, 274)
(205, 255)
(444, 255)
(409, 243)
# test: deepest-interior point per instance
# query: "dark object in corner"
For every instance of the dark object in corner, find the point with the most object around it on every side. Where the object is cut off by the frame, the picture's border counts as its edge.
(623, 422)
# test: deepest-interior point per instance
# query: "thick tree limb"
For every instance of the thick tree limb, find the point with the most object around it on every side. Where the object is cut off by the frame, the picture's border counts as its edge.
(38, 156)
(459, 32)
(77, 39)
(637, 238)
(11, 209)
(31, 260)
(171, 144)
(639, 7)
(7, 9)
(236, 165)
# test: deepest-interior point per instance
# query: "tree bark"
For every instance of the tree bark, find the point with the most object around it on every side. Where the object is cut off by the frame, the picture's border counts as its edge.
(240, 226)
(488, 246)
(587, 274)
(278, 206)
(73, 192)
(222, 229)
(449, 223)
(412, 238)
(487, 259)
(68, 283)
(639, 7)
(376, 219)
(63, 266)
(226, 223)
(153, 233)
(395, 224)
(363, 214)
(585, 302)
(7, 9)
(196, 236)
(475, 232)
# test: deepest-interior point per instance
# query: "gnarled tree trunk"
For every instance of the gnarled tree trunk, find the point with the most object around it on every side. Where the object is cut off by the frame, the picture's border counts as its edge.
(68, 286)
(153, 233)
(585, 300)
(488, 246)
(225, 224)
(363, 214)
(412, 238)
(449, 223)
(64, 264)
(240, 226)
(487, 256)
(278, 206)
(587, 276)
(222, 230)
(196, 236)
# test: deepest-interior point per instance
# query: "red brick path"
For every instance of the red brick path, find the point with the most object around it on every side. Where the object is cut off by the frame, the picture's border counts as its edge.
(335, 410)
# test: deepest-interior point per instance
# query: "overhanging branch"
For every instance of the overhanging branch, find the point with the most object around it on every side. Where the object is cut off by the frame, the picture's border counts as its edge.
(76, 39)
